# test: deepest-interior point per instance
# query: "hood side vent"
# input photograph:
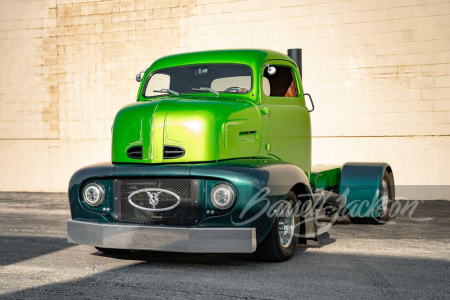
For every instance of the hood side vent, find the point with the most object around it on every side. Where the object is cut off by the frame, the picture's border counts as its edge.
(173, 152)
(135, 152)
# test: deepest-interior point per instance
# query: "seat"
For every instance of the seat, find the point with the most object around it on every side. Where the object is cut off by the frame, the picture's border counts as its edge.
(291, 92)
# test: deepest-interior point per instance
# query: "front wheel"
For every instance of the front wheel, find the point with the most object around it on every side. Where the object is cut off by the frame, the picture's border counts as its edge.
(280, 243)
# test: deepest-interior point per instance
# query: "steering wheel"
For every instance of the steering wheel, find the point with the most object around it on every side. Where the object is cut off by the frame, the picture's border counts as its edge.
(236, 88)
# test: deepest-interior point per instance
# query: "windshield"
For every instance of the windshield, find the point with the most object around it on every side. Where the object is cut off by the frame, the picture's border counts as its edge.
(214, 79)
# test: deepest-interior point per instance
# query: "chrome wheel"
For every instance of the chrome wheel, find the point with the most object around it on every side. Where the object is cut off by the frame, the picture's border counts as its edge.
(384, 197)
(280, 242)
(286, 224)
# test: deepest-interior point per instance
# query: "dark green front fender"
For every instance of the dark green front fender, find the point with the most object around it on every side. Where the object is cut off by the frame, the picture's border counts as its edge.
(252, 178)
(260, 184)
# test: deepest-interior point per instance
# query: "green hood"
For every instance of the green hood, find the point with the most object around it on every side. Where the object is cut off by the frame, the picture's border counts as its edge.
(207, 128)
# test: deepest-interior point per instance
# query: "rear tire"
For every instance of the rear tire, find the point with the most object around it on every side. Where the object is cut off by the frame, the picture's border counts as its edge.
(112, 250)
(279, 245)
(387, 199)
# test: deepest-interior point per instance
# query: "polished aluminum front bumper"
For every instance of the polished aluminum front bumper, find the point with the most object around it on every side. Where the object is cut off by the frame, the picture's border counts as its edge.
(172, 239)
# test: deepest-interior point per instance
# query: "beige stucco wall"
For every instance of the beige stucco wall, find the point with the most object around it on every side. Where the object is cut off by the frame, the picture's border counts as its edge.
(379, 73)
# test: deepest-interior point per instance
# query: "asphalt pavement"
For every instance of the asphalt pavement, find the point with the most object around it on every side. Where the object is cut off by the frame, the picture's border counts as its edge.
(408, 259)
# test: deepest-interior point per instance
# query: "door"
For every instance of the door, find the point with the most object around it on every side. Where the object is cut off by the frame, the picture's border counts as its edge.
(287, 118)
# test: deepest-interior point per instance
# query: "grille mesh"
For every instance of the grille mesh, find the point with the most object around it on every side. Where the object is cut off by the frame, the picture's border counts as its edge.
(185, 214)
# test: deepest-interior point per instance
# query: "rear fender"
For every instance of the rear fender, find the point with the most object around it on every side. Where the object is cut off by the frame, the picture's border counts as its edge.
(361, 184)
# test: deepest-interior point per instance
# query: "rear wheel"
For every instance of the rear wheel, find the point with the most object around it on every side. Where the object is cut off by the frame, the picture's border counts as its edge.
(112, 250)
(387, 199)
(280, 243)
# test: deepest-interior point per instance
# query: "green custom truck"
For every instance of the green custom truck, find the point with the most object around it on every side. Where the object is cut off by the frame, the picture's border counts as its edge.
(215, 157)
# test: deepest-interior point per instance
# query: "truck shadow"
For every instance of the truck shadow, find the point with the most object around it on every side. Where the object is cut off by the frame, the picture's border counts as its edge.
(339, 220)
(181, 258)
(325, 239)
(189, 258)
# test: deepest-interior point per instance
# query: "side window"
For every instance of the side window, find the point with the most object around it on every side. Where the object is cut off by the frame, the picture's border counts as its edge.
(157, 82)
(280, 83)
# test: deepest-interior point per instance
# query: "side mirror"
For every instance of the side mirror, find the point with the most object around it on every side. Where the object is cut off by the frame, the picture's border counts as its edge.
(311, 102)
(139, 76)
(271, 70)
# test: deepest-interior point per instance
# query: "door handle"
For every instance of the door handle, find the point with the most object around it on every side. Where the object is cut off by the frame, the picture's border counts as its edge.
(265, 110)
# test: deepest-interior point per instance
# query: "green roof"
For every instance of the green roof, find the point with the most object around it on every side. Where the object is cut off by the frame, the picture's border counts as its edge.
(252, 57)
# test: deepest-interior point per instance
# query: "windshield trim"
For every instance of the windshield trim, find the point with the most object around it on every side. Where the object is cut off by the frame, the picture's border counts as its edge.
(194, 65)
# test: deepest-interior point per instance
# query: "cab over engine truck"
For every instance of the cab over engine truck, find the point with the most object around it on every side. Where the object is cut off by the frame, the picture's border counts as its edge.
(215, 157)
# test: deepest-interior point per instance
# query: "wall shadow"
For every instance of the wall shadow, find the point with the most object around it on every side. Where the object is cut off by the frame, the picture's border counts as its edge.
(311, 275)
(14, 249)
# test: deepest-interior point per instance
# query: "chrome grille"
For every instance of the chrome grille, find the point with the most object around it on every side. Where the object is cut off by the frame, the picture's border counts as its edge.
(186, 213)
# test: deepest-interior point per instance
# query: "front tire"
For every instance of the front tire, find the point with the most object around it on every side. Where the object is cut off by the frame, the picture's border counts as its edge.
(279, 245)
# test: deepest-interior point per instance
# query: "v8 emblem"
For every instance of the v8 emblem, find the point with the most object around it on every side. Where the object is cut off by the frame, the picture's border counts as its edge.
(153, 198)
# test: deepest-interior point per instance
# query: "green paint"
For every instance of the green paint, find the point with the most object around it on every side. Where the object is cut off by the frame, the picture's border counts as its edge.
(325, 177)
(213, 128)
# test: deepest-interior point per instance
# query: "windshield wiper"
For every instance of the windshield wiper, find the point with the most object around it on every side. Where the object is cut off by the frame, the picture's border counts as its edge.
(206, 89)
(167, 91)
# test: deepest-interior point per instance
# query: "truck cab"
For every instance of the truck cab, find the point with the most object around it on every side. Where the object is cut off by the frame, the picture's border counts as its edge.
(216, 105)
(214, 156)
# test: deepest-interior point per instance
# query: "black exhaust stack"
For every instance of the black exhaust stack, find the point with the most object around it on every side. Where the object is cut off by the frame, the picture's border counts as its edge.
(296, 55)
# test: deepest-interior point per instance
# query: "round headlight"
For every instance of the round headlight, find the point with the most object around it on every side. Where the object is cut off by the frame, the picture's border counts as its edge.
(94, 194)
(223, 196)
